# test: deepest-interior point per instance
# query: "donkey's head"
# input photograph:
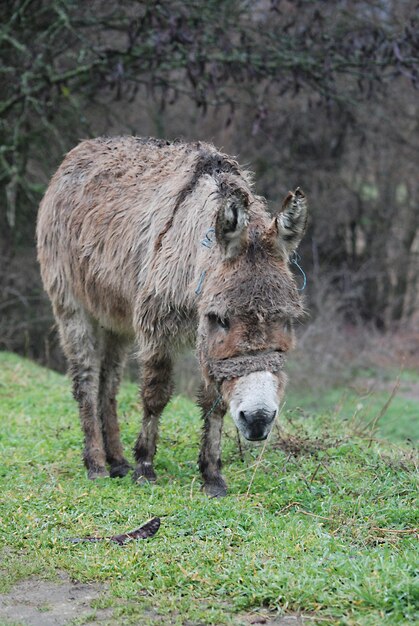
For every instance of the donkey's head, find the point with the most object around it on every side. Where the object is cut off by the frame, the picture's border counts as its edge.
(249, 305)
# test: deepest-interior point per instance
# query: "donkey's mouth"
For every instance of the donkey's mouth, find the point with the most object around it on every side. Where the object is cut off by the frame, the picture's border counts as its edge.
(263, 438)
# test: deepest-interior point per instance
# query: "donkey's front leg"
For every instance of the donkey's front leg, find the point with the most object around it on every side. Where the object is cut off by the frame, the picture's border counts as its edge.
(156, 391)
(213, 411)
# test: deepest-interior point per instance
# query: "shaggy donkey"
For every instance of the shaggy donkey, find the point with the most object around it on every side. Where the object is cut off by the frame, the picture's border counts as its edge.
(161, 243)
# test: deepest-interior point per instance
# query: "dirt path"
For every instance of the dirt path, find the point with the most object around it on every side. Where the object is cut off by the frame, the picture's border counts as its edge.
(37, 602)
(43, 603)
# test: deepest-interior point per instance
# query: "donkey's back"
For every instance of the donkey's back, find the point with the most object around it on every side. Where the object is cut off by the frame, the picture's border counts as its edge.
(103, 219)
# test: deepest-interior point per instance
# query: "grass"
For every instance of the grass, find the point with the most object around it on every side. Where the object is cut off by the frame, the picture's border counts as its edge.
(325, 528)
(363, 401)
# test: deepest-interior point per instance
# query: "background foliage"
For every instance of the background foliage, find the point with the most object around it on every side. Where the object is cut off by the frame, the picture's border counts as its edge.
(316, 94)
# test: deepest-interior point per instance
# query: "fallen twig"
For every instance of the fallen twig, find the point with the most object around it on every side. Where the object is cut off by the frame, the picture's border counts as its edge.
(383, 411)
(299, 509)
(145, 531)
(256, 466)
(239, 444)
(395, 531)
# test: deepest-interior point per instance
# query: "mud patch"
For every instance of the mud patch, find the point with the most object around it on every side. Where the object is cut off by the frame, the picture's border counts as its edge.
(43, 603)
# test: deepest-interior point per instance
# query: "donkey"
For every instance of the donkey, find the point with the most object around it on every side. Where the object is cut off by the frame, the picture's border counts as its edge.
(165, 244)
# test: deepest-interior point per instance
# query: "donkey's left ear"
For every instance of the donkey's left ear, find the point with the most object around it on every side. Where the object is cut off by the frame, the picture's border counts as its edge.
(291, 223)
(232, 221)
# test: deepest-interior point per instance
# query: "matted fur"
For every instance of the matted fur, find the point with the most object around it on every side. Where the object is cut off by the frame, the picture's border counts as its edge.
(119, 245)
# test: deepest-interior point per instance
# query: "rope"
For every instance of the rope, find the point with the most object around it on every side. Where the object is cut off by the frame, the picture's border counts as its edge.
(216, 402)
(207, 242)
(295, 260)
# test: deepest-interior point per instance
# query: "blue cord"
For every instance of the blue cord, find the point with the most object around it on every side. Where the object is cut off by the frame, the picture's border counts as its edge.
(200, 283)
(207, 242)
(295, 259)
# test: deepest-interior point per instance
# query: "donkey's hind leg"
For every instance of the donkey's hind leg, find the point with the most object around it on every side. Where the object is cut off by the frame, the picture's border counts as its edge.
(80, 341)
(112, 361)
(156, 391)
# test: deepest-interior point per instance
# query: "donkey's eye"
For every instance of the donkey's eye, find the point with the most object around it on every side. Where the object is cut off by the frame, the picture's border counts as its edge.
(215, 320)
(224, 323)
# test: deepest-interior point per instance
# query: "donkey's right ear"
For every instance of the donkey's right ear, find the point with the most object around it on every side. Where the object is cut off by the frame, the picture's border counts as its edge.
(231, 222)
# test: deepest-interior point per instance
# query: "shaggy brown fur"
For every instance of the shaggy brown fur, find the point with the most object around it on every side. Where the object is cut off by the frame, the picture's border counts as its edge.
(119, 245)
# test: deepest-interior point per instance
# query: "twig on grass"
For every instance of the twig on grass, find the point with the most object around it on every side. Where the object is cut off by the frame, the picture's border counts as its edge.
(257, 465)
(313, 476)
(145, 531)
(239, 444)
(316, 618)
(314, 515)
(315, 472)
(301, 510)
(389, 443)
(266, 617)
(372, 424)
(288, 506)
(395, 531)
(191, 491)
(329, 472)
(383, 411)
(286, 462)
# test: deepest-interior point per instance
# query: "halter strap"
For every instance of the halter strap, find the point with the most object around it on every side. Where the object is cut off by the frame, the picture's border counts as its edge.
(237, 366)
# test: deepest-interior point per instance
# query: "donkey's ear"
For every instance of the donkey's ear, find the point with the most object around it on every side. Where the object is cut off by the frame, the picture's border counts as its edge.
(231, 222)
(291, 223)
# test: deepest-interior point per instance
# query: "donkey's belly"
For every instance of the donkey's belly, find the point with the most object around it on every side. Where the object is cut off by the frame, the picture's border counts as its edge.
(107, 303)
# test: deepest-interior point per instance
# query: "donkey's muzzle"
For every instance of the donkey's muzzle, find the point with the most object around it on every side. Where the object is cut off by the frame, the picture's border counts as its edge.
(256, 425)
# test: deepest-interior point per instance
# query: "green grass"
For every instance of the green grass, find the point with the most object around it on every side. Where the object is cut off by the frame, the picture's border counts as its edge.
(363, 400)
(318, 532)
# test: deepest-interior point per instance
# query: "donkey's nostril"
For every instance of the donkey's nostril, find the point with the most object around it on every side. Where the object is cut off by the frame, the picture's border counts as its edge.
(242, 416)
(270, 415)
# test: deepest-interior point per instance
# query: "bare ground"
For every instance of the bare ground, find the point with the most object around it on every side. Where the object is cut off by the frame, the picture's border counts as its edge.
(36, 602)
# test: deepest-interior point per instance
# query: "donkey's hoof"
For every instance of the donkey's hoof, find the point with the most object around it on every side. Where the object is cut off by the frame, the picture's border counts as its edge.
(215, 488)
(144, 473)
(94, 473)
(119, 469)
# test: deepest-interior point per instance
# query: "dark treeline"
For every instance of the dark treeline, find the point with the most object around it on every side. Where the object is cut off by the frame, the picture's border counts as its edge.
(318, 94)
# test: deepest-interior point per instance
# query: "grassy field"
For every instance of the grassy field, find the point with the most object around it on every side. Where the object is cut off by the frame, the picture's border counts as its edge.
(393, 394)
(318, 523)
